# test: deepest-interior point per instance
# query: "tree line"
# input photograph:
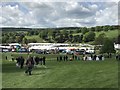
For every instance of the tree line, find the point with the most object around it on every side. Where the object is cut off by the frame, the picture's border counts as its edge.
(58, 35)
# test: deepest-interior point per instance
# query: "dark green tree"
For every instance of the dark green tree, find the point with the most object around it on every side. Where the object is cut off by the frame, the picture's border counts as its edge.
(84, 30)
(106, 28)
(100, 39)
(108, 46)
(90, 36)
(92, 29)
(98, 28)
(25, 40)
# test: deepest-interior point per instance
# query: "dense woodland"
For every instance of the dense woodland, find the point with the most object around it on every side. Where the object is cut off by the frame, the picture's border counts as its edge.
(60, 35)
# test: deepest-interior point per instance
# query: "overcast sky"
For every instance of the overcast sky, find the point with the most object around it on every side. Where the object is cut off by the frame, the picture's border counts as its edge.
(58, 14)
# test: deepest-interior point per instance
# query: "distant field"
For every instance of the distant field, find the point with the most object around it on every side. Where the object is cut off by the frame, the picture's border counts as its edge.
(36, 37)
(69, 74)
(110, 34)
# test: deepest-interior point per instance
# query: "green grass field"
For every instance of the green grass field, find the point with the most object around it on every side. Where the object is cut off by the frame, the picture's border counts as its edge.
(109, 34)
(69, 74)
(36, 37)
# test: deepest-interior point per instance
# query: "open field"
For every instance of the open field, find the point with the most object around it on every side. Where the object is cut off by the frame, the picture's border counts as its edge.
(109, 34)
(69, 74)
(36, 37)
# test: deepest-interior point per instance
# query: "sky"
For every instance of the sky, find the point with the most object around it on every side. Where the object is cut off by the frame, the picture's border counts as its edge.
(58, 14)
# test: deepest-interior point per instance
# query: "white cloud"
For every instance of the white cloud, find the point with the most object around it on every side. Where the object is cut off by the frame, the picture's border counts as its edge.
(63, 14)
(108, 15)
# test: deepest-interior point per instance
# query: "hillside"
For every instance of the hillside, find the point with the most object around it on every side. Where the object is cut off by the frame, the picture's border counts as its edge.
(109, 34)
(58, 35)
(36, 37)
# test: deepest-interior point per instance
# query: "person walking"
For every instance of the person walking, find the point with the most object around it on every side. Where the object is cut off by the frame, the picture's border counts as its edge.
(30, 65)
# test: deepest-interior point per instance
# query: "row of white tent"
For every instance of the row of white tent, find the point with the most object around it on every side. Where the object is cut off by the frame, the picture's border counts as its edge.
(60, 46)
(49, 46)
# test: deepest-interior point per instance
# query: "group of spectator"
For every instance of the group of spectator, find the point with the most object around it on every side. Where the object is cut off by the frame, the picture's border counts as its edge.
(76, 57)
(35, 60)
(66, 58)
(62, 58)
(30, 62)
(93, 57)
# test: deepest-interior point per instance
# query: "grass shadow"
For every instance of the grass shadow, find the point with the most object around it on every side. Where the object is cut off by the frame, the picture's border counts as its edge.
(11, 68)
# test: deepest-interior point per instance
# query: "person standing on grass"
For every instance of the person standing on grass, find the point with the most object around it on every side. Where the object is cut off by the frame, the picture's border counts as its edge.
(60, 58)
(73, 57)
(57, 58)
(116, 57)
(78, 58)
(6, 57)
(91, 56)
(66, 58)
(18, 61)
(44, 59)
(37, 60)
(119, 57)
(21, 62)
(40, 60)
(34, 59)
(95, 57)
(30, 65)
(86, 57)
(100, 57)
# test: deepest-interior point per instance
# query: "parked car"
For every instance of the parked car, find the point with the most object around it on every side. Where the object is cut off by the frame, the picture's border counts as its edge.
(23, 50)
(90, 51)
(39, 51)
(79, 52)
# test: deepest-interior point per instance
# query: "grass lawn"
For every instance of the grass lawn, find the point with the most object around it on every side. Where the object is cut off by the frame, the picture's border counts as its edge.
(69, 74)
(110, 34)
(36, 37)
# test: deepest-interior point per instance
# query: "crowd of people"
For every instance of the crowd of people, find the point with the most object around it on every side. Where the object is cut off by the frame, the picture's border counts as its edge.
(30, 62)
(84, 57)
(93, 57)
(60, 58)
